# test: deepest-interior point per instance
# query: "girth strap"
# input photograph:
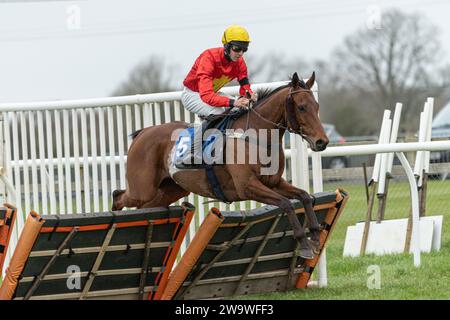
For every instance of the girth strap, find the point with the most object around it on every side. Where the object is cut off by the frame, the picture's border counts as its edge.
(215, 184)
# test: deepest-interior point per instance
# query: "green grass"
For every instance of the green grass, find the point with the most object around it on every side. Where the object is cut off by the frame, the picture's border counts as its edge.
(347, 277)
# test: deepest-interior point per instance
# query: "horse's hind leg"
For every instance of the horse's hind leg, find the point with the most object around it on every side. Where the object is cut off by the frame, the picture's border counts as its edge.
(168, 192)
(117, 203)
(121, 200)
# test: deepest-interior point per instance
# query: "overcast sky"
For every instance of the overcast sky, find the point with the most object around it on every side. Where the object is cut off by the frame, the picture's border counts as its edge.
(53, 50)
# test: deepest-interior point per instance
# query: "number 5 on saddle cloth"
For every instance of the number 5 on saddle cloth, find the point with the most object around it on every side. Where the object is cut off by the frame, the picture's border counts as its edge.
(191, 151)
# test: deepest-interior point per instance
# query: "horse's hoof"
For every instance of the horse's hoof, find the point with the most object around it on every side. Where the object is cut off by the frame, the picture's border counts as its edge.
(306, 253)
(315, 245)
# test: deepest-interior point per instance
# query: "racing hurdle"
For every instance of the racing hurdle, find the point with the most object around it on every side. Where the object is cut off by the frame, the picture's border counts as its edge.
(131, 254)
(250, 254)
(108, 255)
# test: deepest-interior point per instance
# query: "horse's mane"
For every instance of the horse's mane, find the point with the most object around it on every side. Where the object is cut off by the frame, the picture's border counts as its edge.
(264, 94)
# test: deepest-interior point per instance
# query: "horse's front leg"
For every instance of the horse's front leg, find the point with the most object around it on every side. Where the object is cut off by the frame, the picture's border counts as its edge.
(288, 190)
(259, 192)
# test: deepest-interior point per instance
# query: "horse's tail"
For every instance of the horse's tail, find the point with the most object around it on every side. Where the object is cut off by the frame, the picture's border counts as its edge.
(135, 134)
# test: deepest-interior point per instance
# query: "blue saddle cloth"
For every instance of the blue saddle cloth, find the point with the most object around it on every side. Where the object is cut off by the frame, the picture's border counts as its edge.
(183, 145)
(212, 147)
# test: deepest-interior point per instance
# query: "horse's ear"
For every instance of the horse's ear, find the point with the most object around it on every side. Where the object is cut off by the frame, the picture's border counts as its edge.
(295, 80)
(311, 80)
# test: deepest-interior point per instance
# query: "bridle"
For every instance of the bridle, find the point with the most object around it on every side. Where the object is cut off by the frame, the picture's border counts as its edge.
(289, 115)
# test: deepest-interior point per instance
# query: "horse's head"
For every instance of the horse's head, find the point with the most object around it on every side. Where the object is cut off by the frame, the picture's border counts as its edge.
(302, 111)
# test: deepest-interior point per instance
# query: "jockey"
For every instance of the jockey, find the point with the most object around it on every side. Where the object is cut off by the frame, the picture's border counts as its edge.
(213, 69)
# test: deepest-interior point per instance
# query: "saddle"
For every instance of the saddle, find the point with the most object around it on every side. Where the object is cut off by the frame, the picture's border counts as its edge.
(220, 122)
(216, 145)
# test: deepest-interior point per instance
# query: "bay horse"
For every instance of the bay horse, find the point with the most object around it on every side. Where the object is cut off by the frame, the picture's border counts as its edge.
(290, 107)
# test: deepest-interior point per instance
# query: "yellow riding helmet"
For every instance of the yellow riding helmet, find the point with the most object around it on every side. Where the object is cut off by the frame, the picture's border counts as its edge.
(235, 33)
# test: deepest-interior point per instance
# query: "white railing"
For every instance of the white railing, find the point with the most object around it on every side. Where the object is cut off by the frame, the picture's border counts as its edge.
(119, 101)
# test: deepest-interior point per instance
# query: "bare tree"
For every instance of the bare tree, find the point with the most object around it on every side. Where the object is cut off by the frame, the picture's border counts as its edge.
(398, 62)
(150, 76)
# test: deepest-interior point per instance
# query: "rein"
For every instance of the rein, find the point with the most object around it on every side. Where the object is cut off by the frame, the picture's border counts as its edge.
(289, 115)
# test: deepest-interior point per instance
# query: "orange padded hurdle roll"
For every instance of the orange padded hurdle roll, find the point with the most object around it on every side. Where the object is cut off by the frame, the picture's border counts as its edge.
(20, 256)
(198, 244)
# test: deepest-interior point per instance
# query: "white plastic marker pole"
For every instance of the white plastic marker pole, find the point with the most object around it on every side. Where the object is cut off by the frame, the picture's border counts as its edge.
(428, 134)
(426, 115)
(415, 243)
(418, 165)
(302, 171)
(394, 133)
(376, 166)
(384, 158)
(420, 139)
(316, 160)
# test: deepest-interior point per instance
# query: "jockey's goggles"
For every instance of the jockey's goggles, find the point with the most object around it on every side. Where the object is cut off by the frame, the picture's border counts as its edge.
(236, 48)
